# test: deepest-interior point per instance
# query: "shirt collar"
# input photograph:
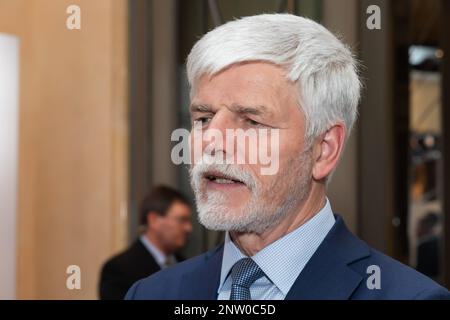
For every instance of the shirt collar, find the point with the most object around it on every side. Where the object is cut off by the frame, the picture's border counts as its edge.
(159, 256)
(292, 251)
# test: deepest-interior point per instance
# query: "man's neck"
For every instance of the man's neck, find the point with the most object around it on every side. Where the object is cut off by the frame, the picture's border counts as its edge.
(154, 241)
(252, 243)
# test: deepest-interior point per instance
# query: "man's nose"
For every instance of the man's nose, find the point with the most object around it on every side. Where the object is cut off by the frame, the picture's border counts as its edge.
(222, 120)
(217, 128)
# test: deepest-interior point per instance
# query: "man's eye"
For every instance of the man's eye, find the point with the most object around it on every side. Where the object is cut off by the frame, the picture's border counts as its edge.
(253, 122)
(203, 120)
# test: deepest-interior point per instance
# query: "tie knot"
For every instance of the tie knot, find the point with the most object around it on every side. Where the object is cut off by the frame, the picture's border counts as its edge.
(245, 272)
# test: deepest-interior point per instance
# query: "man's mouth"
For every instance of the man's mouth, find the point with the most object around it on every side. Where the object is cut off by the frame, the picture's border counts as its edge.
(220, 178)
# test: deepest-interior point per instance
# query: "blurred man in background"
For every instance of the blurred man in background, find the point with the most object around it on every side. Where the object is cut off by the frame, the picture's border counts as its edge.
(165, 214)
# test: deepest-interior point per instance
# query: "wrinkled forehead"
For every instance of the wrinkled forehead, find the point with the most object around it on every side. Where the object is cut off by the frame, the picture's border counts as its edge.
(253, 84)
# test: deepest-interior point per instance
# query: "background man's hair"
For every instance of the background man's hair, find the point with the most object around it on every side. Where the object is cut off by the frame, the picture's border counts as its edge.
(323, 67)
(159, 200)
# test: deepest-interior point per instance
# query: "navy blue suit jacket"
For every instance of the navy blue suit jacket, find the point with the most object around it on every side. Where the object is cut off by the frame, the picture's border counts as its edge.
(337, 270)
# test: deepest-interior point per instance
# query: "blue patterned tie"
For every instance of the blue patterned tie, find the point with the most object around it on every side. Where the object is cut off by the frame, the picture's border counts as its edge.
(243, 274)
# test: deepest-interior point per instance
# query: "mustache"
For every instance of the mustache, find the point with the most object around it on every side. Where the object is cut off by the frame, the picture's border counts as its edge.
(202, 170)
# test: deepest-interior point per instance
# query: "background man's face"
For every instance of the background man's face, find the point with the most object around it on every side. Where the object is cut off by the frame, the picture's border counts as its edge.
(175, 227)
(237, 205)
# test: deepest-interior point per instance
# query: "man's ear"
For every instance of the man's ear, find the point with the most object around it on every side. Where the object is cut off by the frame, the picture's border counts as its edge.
(327, 151)
(152, 218)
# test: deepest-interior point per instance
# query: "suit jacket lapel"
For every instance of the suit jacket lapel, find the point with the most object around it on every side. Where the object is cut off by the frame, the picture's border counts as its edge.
(147, 263)
(203, 282)
(327, 275)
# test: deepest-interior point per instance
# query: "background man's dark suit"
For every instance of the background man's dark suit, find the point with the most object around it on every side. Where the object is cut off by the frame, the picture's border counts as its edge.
(121, 271)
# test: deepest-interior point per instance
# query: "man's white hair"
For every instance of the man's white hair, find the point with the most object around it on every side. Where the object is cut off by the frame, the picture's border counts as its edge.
(323, 67)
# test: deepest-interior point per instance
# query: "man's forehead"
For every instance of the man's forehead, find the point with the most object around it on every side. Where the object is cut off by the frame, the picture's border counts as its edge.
(179, 207)
(258, 89)
(255, 71)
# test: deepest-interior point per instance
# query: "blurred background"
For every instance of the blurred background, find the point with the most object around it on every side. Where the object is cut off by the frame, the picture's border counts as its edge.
(86, 117)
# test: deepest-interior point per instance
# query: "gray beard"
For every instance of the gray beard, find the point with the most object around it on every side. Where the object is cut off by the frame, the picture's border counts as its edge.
(267, 206)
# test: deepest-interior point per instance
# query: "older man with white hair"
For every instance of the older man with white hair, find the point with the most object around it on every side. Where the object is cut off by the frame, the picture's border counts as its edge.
(290, 76)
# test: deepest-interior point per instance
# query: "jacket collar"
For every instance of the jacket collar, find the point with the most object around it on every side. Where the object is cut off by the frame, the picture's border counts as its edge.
(327, 274)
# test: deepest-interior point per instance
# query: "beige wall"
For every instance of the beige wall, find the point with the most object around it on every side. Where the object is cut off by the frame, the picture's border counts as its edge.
(73, 141)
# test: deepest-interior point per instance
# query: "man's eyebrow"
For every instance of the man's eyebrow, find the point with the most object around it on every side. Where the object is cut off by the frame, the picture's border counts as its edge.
(240, 109)
(257, 110)
(200, 108)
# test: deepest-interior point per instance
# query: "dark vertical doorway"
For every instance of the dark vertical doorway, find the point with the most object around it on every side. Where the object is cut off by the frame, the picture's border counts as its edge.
(140, 92)
(445, 44)
(401, 37)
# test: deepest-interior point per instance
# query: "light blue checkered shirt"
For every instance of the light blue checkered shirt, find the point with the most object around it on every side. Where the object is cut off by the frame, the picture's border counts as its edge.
(282, 261)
